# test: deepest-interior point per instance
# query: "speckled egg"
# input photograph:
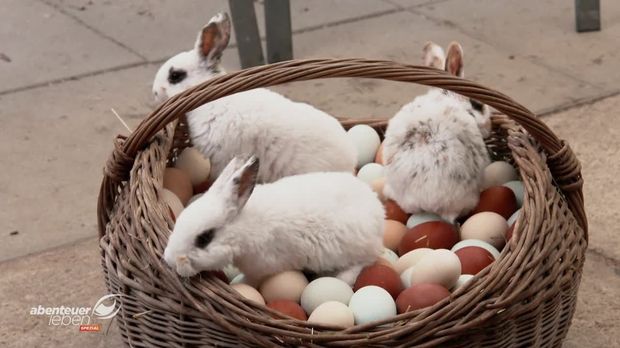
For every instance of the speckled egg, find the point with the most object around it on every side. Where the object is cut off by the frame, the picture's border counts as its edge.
(486, 226)
(286, 285)
(366, 142)
(325, 289)
(372, 303)
(377, 186)
(333, 313)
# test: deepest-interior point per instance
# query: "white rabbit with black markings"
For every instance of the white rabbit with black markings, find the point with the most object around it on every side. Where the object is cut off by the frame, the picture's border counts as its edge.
(288, 137)
(434, 146)
(321, 222)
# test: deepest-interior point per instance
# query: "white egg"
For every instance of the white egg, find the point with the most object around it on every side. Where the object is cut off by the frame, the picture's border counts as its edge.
(366, 142)
(463, 278)
(498, 173)
(372, 303)
(333, 313)
(477, 243)
(440, 266)
(517, 188)
(486, 226)
(421, 218)
(513, 218)
(325, 289)
(370, 172)
(410, 259)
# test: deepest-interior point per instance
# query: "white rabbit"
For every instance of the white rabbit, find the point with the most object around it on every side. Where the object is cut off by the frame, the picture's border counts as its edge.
(288, 137)
(434, 146)
(320, 222)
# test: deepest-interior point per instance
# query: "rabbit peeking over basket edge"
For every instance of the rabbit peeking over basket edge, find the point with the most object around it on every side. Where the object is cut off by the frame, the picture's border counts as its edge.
(434, 146)
(321, 222)
(289, 137)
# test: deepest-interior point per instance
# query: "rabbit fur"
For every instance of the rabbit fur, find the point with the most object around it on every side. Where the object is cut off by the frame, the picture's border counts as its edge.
(327, 223)
(289, 137)
(434, 146)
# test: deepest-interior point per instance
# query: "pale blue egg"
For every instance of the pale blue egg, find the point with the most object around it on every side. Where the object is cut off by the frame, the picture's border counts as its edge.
(366, 141)
(513, 218)
(372, 303)
(417, 219)
(516, 187)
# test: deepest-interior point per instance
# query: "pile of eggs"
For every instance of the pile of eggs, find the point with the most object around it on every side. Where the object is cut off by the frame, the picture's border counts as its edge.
(424, 259)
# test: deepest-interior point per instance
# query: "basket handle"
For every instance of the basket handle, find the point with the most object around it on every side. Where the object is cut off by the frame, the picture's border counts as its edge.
(561, 160)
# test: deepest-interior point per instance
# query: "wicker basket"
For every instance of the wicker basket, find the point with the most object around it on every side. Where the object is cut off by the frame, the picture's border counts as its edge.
(526, 298)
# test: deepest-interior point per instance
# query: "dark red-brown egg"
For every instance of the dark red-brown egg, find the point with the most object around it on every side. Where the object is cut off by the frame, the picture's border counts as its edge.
(179, 183)
(498, 199)
(288, 307)
(432, 234)
(474, 259)
(394, 212)
(382, 276)
(420, 296)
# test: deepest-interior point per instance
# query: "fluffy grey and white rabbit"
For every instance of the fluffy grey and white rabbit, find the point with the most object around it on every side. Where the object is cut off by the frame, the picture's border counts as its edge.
(288, 137)
(320, 222)
(434, 146)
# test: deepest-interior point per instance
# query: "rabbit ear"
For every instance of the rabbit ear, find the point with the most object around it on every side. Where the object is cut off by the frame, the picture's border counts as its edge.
(454, 60)
(237, 182)
(433, 55)
(213, 38)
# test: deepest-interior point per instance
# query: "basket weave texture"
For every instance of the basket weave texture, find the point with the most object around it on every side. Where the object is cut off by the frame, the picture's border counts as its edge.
(524, 299)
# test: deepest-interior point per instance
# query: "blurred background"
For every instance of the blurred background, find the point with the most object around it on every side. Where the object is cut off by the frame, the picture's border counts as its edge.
(65, 64)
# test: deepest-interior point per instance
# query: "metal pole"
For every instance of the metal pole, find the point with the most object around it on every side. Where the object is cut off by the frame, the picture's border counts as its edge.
(246, 32)
(588, 15)
(278, 29)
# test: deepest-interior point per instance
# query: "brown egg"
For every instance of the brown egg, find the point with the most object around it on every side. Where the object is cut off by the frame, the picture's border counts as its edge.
(379, 155)
(202, 188)
(220, 275)
(377, 186)
(287, 307)
(393, 232)
(498, 199)
(474, 259)
(394, 212)
(432, 234)
(178, 182)
(420, 296)
(382, 276)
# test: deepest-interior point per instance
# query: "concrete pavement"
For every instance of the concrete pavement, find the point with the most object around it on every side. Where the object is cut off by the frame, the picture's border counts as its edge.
(66, 63)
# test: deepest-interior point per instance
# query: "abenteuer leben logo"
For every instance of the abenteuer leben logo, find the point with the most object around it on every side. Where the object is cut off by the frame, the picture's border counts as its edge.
(105, 308)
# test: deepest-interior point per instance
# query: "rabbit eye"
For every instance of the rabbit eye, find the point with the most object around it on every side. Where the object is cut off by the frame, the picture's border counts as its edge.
(176, 76)
(476, 105)
(204, 238)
